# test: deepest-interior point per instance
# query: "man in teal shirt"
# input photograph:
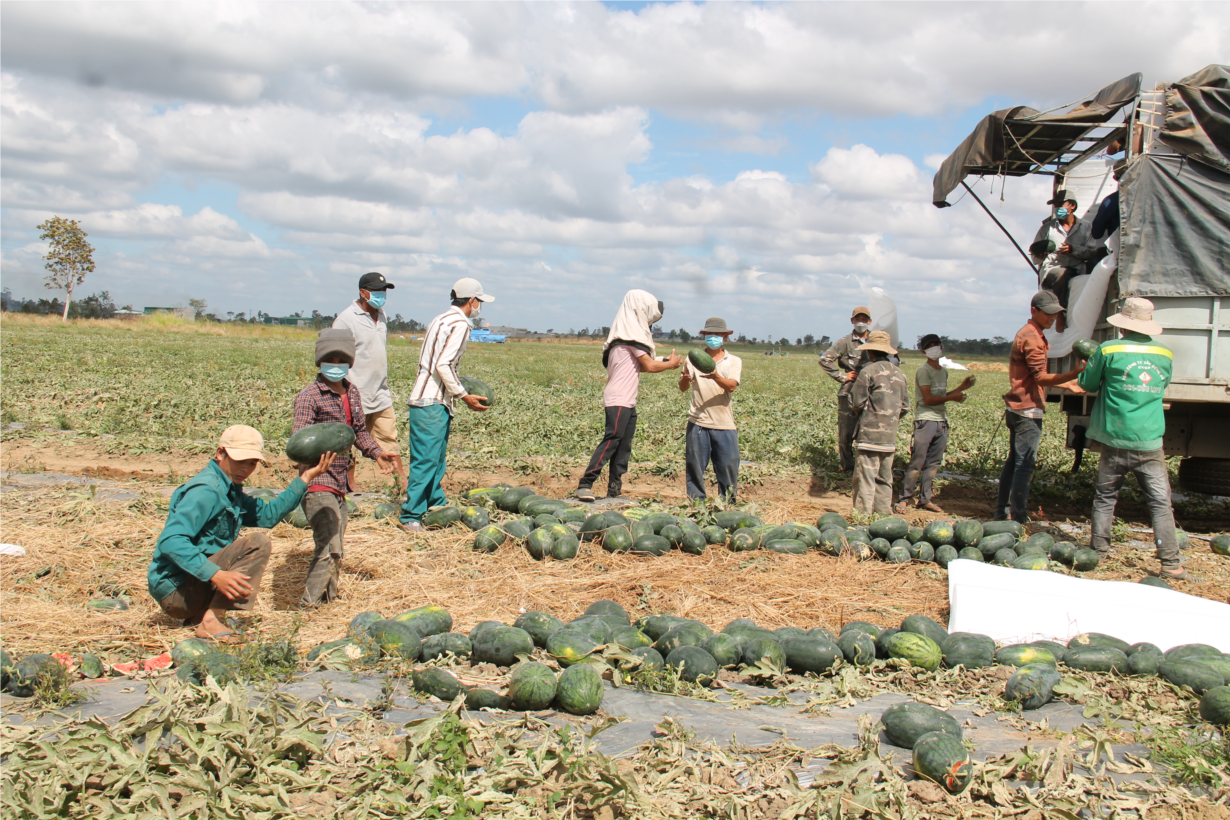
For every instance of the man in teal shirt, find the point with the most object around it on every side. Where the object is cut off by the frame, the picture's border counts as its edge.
(200, 569)
(1130, 375)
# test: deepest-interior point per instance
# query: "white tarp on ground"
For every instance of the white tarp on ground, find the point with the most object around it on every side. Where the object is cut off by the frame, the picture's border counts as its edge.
(1016, 606)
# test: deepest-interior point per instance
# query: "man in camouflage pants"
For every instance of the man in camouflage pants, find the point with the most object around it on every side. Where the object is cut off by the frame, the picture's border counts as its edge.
(880, 396)
(843, 361)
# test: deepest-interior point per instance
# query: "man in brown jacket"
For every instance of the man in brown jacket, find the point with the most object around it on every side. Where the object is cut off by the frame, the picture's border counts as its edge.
(842, 362)
(880, 396)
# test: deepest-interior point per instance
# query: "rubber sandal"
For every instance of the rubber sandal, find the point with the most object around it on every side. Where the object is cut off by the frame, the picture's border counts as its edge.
(931, 506)
(899, 508)
(1181, 575)
(227, 637)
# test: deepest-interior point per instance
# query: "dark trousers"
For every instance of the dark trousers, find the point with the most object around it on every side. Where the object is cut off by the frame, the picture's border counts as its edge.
(616, 447)
(1149, 467)
(719, 446)
(1024, 438)
(930, 441)
(847, 427)
(249, 555)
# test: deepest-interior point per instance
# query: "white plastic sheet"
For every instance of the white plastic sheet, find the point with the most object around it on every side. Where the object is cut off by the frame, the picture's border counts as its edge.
(884, 314)
(12, 549)
(949, 364)
(1085, 303)
(1017, 606)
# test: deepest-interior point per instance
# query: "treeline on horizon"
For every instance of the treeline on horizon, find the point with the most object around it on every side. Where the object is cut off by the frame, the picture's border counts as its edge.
(101, 306)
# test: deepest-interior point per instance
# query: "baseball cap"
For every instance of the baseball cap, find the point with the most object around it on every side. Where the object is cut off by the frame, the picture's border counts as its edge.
(470, 289)
(863, 309)
(1060, 198)
(374, 281)
(1046, 302)
(242, 443)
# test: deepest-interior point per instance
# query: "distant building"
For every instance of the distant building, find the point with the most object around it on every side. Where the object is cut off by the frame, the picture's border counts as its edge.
(290, 321)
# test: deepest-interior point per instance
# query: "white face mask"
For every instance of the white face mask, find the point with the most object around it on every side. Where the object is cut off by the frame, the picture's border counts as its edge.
(934, 353)
(861, 327)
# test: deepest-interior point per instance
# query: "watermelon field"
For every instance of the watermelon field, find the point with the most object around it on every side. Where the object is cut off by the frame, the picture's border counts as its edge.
(480, 660)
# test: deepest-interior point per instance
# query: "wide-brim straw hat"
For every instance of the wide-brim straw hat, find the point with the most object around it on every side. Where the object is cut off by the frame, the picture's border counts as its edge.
(879, 340)
(1136, 314)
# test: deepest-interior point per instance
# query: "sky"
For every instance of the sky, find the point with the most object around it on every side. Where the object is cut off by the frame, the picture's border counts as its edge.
(767, 163)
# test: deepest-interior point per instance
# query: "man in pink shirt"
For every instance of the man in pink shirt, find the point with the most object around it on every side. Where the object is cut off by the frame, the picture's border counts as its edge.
(627, 353)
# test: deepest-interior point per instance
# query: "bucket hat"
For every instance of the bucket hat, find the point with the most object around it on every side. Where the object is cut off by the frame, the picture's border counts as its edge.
(1136, 314)
(715, 324)
(879, 340)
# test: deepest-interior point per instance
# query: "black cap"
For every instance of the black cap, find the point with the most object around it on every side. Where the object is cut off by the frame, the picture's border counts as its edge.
(1046, 301)
(374, 281)
(1060, 198)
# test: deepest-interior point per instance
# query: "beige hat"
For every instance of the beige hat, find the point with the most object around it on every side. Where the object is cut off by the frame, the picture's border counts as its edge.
(879, 340)
(242, 443)
(1136, 314)
(863, 309)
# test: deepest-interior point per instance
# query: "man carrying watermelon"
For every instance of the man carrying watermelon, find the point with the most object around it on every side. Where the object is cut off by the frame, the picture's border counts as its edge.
(880, 396)
(331, 398)
(437, 389)
(200, 569)
(629, 351)
(930, 425)
(711, 433)
(842, 362)
(1130, 375)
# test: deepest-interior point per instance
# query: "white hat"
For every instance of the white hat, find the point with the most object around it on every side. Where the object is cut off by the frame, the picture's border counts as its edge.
(1136, 314)
(470, 289)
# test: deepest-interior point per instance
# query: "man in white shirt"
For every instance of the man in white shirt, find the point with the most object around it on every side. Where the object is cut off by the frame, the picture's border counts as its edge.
(433, 397)
(365, 318)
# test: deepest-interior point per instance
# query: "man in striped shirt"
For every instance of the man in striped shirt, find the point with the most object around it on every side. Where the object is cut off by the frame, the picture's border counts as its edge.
(433, 397)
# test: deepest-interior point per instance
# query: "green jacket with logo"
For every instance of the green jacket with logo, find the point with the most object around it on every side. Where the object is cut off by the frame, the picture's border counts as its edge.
(1129, 375)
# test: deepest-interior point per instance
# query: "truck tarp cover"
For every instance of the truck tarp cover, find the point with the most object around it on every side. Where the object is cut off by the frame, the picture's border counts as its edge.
(1175, 209)
(995, 146)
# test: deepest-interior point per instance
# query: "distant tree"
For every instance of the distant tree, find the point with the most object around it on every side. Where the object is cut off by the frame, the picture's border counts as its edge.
(584, 331)
(127, 307)
(809, 340)
(95, 306)
(684, 336)
(240, 316)
(69, 256)
(230, 315)
(784, 342)
(673, 334)
(742, 339)
(198, 306)
(798, 342)
(824, 342)
(606, 331)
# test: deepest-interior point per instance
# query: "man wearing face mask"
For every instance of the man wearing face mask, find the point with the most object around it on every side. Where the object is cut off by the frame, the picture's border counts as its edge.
(332, 398)
(711, 433)
(437, 388)
(1062, 247)
(1025, 404)
(366, 320)
(629, 351)
(930, 425)
(842, 362)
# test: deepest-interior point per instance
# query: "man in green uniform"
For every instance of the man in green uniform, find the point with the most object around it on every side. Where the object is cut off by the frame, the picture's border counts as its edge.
(880, 395)
(1130, 375)
(842, 362)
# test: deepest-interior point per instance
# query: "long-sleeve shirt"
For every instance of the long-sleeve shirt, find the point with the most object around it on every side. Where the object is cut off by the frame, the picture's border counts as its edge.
(1106, 222)
(844, 356)
(1026, 362)
(881, 396)
(438, 381)
(318, 404)
(1130, 377)
(205, 516)
(1079, 237)
(370, 371)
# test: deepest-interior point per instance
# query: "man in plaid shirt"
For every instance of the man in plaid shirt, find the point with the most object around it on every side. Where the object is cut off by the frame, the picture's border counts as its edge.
(332, 398)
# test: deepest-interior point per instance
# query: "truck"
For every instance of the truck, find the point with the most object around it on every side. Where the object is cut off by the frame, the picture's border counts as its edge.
(1172, 246)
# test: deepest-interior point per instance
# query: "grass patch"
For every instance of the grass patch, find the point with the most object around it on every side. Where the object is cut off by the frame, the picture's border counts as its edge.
(1196, 755)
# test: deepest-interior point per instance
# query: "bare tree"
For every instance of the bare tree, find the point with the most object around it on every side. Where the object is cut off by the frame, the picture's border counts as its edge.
(69, 256)
(199, 306)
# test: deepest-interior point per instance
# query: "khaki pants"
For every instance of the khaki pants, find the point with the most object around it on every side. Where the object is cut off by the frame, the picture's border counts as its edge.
(327, 514)
(383, 427)
(873, 482)
(249, 555)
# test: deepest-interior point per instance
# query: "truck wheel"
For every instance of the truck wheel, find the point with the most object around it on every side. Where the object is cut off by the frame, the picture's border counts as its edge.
(1210, 476)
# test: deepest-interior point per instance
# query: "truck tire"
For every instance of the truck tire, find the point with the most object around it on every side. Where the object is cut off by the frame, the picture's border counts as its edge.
(1210, 476)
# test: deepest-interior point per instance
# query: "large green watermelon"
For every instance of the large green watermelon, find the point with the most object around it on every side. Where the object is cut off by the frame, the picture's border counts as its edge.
(1033, 685)
(189, 648)
(1096, 659)
(905, 723)
(1200, 677)
(444, 644)
(1084, 348)
(570, 646)
(967, 534)
(502, 645)
(764, 650)
(427, 620)
(939, 533)
(478, 387)
(694, 664)
(941, 758)
(443, 517)
(969, 650)
(1099, 639)
(539, 625)
(946, 555)
(396, 638)
(1220, 544)
(579, 689)
(889, 529)
(701, 360)
(832, 519)
(310, 443)
(922, 625)
(919, 650)
(1215, 705)
(810, 654)
(1023, 655)
(857, 647)
(531, 687)
(726, 649)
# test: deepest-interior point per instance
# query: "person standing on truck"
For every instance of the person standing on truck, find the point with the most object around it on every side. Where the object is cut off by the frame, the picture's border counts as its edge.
(433, 397)
(627, 353)
(1062, 247)
(930, 425)
(1130, 375)
(880, 396)
(1025, 404)
(842, 362)
(711, 432)
(366, 321)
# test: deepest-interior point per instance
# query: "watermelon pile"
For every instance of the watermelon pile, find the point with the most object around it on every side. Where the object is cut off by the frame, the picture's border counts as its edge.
(935, 737)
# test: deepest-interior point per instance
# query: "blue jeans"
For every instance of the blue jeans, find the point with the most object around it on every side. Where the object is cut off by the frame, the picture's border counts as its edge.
(720, 446)
(1024, 438)
(429, 428)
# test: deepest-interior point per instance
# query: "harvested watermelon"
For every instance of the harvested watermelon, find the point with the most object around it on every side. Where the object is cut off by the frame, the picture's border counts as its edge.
(475, 518)
(1099, 639)
(479, 698)
(919, 650)
(1033, 562)
(502, 645)
(190, 648)
(914, 535)
(1220, 544)
(650, 657)
(922, 551)
(967, 534)
(989, 545)
(882, 546)
(629, 637)
(531, 687)
(810, 654)
(1005, 557)
(941, 758)
(565, 547)
(996, 527)
(598, 629)
(569, 646)
(832, 519)
(969, 650)
(1215, 705)
(764, 650)
(427, 620)
(787, 546)
(510, 499)
(478, 387)
(396, 639)
(971, 554)
(922, 625)
(443, 517)
(539, 625)
(693, 664)
(1084, 348)
(1023, 655)
(91, 667)
(714, 535)
(672, 533)
(685, 634)
(655, 626)
(579, 689)
(857, 647)
(862, 626)
(1144, 663)
(651, 545)
(438, 683)
(701, 360)
(24, 676)
(905, 723)
(946, 555)
(310, 443)
(1096, 659)
(889, 529)
(726, 649)
(1154, 581)
(882, 642)
(1199, 677)
(939, 533)
(538, 544)
(1063, 552)
(489, 539)
(1085, 560)
(897, 555)
(1191, 650)
(385, 509)
(1033, 685)
(438, 646)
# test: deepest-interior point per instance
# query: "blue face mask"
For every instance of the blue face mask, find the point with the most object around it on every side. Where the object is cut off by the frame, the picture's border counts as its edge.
(377, 298)
(713, 342)
(334, 372)
(1061, 213)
